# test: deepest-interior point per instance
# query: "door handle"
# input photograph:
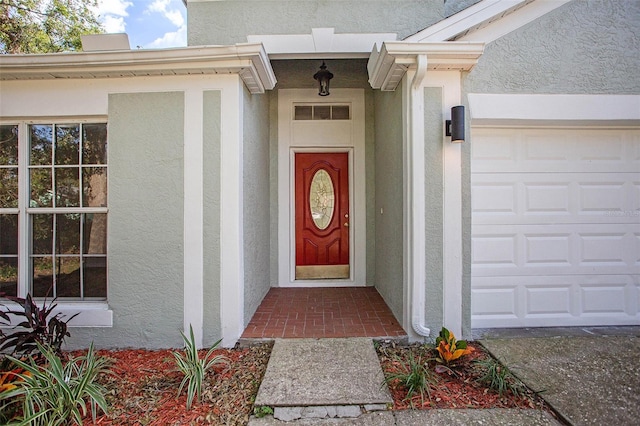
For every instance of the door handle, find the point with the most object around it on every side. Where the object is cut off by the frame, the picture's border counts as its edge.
(346, 224)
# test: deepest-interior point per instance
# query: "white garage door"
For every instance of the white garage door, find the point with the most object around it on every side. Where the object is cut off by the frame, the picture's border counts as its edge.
(556, 227)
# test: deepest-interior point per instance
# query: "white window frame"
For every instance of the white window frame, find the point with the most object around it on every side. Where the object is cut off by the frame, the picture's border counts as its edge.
(88, 313)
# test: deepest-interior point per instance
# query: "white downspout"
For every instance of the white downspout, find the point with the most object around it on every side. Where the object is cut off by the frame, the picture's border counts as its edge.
(416, 194)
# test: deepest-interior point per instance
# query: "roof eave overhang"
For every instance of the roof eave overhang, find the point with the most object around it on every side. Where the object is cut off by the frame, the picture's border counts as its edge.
(388, 67)
(248, 60)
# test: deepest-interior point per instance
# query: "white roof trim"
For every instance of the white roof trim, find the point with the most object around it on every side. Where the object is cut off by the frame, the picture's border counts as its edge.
(250, 61)
(322, 43)
(487, 20)
(387, 67)
(559, 109)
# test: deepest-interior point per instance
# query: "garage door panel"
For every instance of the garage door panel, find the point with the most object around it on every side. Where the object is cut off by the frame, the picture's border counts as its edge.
(517, 198)
(544, 301)
(557, 249)
(553, 150)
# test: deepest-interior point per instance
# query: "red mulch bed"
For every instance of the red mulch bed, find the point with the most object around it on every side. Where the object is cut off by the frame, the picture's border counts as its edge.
(144, 387)
(457, 388)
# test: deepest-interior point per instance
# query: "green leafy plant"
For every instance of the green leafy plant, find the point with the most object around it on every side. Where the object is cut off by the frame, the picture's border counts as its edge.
(262, 411)
(414, 376)
(38, 328)
(57, 393)
(499, 378)
(193, 367)
(449, 349)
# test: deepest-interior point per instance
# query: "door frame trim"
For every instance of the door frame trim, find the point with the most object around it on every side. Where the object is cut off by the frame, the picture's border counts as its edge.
(287, 147)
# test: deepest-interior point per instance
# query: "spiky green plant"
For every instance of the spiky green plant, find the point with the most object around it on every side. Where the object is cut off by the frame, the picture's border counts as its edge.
(414, 375)
(57, 393)
(193, 367)
(499, 378)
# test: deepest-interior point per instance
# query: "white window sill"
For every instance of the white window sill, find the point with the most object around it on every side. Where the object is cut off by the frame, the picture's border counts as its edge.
(89, 314)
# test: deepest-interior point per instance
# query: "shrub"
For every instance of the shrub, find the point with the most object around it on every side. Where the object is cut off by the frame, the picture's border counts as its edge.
(39, 328)
(194, 368)
(56, 393)
(450, 349)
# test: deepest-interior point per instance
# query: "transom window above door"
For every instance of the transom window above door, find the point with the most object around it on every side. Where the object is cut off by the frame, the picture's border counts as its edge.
(322, 112)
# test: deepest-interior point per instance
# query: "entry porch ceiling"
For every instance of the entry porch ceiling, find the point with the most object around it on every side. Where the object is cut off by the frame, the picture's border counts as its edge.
(388, 66)
(250, 61)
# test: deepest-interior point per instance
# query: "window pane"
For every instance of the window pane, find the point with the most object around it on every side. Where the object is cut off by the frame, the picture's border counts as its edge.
(94, 144)
(67, 276)
(95, 234)
(9, 234)
(340, 112)
(42, 274)
(8, 187)
(321, 112)
(42, 233)
(41, 141)
(67, 233)
(9, 276)
(67, 187)
(94, 182)
(41, 188)
(95, 276)
(67, 144)
(8, 145)
(303, 112)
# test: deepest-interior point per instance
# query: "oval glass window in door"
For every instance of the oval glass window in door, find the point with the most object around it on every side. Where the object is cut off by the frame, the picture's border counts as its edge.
(321, 199)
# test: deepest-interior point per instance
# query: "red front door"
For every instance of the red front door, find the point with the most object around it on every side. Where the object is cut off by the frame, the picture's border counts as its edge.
(322, 215)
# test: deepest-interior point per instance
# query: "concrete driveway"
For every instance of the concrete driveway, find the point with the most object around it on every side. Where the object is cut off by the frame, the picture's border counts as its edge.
(590, 376)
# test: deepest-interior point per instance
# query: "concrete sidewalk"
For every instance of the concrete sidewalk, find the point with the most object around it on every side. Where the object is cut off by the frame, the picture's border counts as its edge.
(588, 376)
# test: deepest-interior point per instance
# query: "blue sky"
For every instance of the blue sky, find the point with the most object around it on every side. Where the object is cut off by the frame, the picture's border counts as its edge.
(150, 24)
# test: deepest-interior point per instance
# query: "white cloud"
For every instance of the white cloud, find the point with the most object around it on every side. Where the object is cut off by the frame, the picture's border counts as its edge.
(112, 14)
(113, 24)
(170, 39)
(175, 16)
(162, 7)
(114, 7)
(159, 5)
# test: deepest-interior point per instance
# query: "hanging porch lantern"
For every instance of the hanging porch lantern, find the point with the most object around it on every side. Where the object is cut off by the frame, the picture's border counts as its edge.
(323, 77)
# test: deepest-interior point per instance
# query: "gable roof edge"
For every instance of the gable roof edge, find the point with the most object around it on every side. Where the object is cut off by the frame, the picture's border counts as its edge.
(487, 20)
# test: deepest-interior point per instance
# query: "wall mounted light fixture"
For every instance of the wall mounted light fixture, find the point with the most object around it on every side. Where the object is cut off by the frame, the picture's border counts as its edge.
(455, 126)
(323, 76)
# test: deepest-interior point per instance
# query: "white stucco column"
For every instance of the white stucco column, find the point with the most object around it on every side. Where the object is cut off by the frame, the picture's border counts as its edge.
(231, 216)
(193, 214)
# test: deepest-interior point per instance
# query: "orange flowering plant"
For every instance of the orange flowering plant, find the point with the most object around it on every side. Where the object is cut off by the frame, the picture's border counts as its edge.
(450, 349)
(8, 379)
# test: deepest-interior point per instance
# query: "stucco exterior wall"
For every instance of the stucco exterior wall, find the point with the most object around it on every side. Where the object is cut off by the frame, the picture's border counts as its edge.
(581, 47)
(230, 21)
(212, 127)
(256, 199)
(145, 230)
(434, 208)
(389, 190)
(451, 7)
